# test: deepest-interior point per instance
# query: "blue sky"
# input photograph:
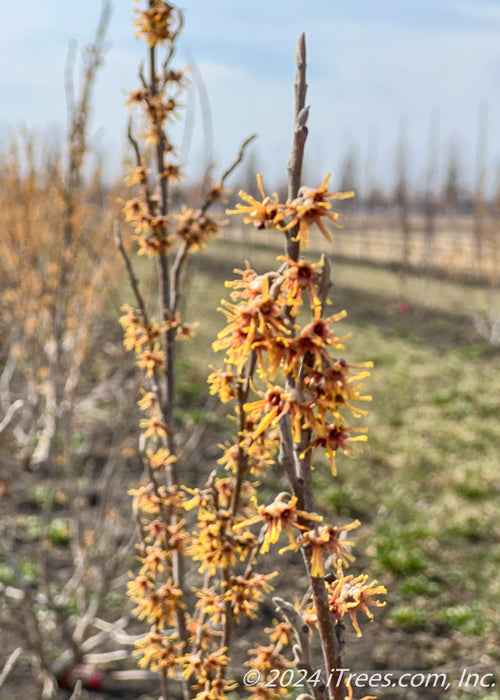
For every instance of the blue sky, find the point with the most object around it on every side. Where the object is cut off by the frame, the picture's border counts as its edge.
(375, 66)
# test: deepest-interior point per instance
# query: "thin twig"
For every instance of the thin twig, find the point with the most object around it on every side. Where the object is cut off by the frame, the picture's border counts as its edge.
(134, 282)
(239, 157)
(9, 664)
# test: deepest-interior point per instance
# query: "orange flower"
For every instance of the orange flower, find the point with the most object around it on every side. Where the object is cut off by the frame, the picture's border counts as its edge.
(273, 405)
(195, 228)
(266, 214)
(333, 437)
(245, 593)
(297, 277)
(311, 206)
(159, 606)
(159, 651)
(151, 360)
(280, 514)
(249, 284)
(250, 326)
(341, 385)
(313, 341)
(349, 595)
(158, 23)
(325, 539)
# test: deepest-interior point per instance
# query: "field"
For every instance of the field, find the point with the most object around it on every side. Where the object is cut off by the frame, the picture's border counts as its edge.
(426, 486)
(457, 248)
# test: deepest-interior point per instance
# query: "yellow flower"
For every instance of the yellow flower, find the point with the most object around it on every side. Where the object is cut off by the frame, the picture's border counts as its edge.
(159, 651)
(148, 400)
(172, 172)
(137, 333)
(223, 384)
(160, 458)
(155, 427)
(136, 212)
(212, 604)
(280, 514)
(265, 214)
(251, 326)
(245, 593)
(216, 689)
(158, 606)
(281, 633)
(325, 540)
(214, 544)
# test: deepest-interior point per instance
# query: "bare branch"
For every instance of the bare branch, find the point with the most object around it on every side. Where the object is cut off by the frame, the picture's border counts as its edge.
(301, 113)
(11, 411)
(302, 650)
(239, 158)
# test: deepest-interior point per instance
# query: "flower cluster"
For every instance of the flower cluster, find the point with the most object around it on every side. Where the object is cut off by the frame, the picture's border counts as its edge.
(216, 543)
(310, 207)
(318, 388)
(182, 643)
(291, 396)
(158, 23)
(156, 231)
(281, 347)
